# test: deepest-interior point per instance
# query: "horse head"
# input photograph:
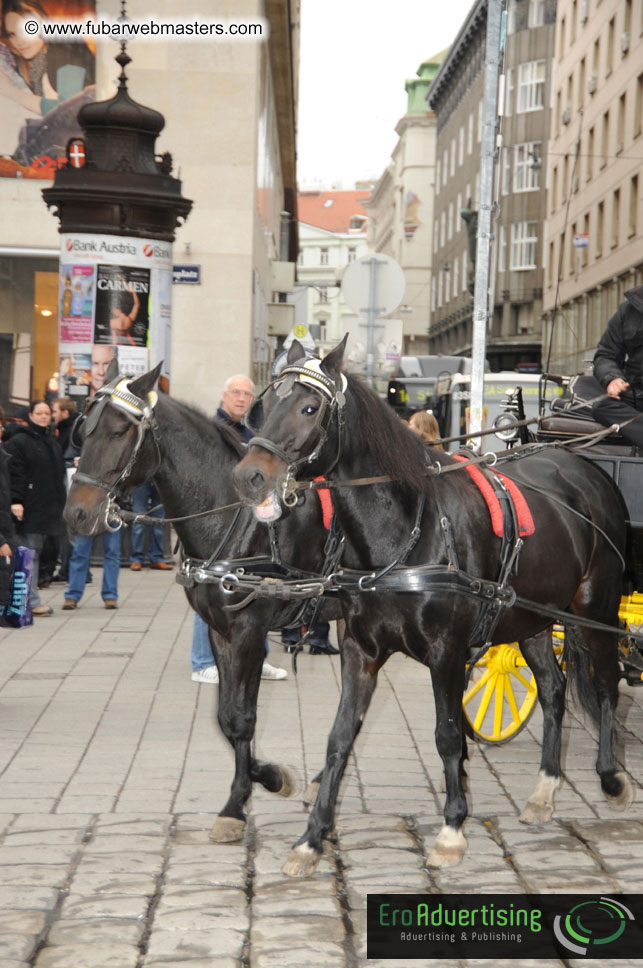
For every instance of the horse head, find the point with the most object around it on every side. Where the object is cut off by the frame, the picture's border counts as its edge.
(120, 450)
(298, 420)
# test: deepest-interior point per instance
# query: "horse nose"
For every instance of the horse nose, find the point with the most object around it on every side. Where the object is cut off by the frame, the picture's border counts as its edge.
(75, 517)
(250, 481)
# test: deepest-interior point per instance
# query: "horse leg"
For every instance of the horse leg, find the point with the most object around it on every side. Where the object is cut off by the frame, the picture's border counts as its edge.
(603, 656)
(550, 680)
(359, 678)
(312, 790)
(447, 676)
(239, 678)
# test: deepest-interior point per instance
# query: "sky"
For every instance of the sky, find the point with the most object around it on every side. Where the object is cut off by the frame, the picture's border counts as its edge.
(356, 56)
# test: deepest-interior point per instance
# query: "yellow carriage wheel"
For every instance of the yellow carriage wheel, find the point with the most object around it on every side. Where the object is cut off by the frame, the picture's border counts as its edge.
(501, 696)
(502, 693)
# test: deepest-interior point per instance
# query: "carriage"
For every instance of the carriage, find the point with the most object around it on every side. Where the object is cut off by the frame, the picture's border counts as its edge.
(502, 695)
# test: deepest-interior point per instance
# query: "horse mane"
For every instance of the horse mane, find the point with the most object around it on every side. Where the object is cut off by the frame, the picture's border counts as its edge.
(379, 431)
(199, 421)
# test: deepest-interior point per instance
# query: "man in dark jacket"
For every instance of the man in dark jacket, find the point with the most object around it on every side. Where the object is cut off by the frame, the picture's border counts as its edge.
(618, 367)
(37, 488)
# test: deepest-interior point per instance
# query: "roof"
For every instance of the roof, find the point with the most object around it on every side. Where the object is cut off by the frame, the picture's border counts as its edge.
(331, 210)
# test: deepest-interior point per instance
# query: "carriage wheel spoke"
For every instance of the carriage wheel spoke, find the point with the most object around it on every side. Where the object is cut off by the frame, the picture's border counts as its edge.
(530, 685)
(511, 701)
(477, 686)
(486, 699)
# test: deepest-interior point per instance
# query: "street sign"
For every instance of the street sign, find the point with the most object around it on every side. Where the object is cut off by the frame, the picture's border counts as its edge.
(186, 275)
(580, 240)
(390, 284)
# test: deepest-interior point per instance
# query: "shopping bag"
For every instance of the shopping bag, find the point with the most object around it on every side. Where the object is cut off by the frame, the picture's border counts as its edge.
(17, 614)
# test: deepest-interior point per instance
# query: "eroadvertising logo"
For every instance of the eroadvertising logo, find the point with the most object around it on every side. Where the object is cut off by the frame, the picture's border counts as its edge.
(504, 926)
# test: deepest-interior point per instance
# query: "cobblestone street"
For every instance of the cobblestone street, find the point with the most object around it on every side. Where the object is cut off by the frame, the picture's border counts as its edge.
(113, 770)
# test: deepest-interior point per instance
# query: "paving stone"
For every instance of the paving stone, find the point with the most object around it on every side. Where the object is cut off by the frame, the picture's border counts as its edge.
(183, 946)
(76, 906)
(18, 947)
(88, 956)
(96, 931)
(323, 955)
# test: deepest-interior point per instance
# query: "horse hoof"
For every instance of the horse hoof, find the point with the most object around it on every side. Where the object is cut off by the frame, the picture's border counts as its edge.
(536, 813)
(302, 860)
(311, 793)
(227, 830)
(449, 849)
(288, 782)
(625, 798)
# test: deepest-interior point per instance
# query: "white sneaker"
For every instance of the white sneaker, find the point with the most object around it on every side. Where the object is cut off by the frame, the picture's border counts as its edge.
(210, 675)
(271, 672)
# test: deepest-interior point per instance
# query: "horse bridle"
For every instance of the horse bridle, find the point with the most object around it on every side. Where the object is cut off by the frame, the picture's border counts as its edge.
(333, 400)
(139, 412)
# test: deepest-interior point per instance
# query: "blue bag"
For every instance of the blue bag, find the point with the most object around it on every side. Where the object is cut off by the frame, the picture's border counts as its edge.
(17, 613)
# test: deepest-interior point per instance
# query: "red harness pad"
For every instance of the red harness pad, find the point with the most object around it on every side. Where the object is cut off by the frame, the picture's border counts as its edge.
(526, 524)
(326, 503)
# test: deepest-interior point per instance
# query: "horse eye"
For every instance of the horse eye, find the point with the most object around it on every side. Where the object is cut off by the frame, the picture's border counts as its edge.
(118, 433)
(310, 409)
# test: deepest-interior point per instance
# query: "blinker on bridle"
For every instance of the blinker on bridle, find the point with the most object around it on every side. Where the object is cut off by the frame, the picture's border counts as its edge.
(333, 400)
(141, 413)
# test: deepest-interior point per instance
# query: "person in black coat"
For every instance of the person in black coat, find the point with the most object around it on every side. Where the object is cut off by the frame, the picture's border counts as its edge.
(7, 537)
(37, 488)
(618, 367)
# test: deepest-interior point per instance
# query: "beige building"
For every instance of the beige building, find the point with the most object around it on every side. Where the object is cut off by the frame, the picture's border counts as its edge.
(595, 173)
(401, 207)
(516, 275)
(230, 111)
(332, 235)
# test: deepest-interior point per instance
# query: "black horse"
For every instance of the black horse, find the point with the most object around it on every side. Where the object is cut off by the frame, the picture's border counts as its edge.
(131, 435)
(315, 421)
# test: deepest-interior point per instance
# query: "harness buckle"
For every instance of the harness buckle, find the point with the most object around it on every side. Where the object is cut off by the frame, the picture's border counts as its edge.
(288, 487)
(228, 583)
(365, 578)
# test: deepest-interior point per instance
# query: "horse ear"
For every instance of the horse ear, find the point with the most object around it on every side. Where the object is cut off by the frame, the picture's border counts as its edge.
(142, 385)
(296, 352)
(112, 370)
(332, 364)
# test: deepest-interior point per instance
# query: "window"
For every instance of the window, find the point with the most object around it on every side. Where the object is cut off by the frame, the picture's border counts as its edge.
(550, 264)
(584, 252)
(554, 189)
(632, 222)
(616, 218)
(506, 170)
(438, 174)
(572, 22)
(445, 165)
(461, 146)
(300, 257)
(464, 270)
(589, 167)
(600, 228)
(609, 57)
(480, 122)
(620, 124)
(450, 222)
(323, 296)
(596, 57)
(531, 86)
(436, 229)
(443, 226)
(581, 83)
(605, 138)
(452, 156)
(440, 283)
(447, 286)
(470, 134)
(511, 17)
(638, 106)
(561, 38)
(458, 209)
(323, 326)
(536, 16)
(527, 167)
(524, 239)
(433, 294)
(509, 92)
(456, 277)
(352, 254)
(323, 256)
(572, 250)
(502, 250)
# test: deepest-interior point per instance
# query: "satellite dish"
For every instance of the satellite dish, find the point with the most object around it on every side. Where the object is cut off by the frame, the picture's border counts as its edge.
(387, 289)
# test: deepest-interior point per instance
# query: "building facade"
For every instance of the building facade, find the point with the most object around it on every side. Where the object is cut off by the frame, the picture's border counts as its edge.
(595, 173)
(230, 111)
(400, 208)
(516, 273)
(332, 235)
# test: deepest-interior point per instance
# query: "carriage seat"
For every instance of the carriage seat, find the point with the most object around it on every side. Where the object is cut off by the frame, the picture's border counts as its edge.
(565, 425)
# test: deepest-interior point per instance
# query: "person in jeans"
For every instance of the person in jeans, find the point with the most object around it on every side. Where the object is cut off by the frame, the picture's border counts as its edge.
(146, 500)
(79, 567)
(203, 665)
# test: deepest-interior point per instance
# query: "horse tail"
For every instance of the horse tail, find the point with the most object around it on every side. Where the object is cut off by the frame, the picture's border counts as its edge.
(579, 672)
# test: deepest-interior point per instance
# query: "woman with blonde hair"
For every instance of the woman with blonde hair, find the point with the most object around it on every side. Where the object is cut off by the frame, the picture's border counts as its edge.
(424, 424)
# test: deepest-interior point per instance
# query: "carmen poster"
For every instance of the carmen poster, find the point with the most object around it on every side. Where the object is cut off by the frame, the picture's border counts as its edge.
(122, 305)
(42, 87)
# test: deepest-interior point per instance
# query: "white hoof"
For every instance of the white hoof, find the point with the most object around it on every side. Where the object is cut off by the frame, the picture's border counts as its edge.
(301, 861)
(540, 805)
(625, 797)
(449, 848)
(227, 830)
(311, 793)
